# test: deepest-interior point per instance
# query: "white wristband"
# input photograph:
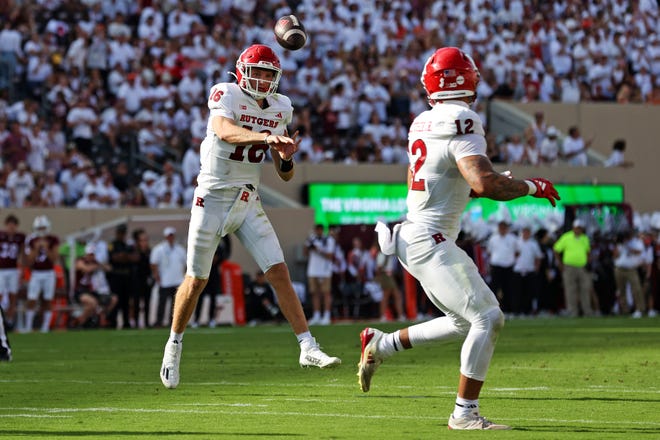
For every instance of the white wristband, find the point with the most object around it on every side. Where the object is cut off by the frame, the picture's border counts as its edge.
(266, 140)
(532, 187)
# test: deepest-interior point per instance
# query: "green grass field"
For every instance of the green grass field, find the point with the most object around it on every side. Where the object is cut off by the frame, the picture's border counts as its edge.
(550, 379)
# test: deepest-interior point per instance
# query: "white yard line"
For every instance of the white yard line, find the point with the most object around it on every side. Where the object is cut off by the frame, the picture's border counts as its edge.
(32, 416)
(489, 390)
(306, 414)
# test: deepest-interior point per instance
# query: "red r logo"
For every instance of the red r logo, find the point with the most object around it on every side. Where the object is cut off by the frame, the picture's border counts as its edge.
(245, 196)
(199, 201)
(439, 238)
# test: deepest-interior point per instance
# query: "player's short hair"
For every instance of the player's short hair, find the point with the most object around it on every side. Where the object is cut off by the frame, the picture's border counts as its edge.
(11, 218)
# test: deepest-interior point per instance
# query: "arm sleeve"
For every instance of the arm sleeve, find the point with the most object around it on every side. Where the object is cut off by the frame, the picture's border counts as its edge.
(468, 145)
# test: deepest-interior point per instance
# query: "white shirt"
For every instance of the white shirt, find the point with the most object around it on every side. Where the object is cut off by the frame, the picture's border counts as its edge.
(150, 193)
(170, 261)
(572, 145)
(190, 90)
(514, 152)
(10, 41)
(502, 249)
(615, 159)
(39, 152)
(318, 264)
(528, 252)
(549, 150)
(86, 203)
(631, 254)
(21, 184)
(439, 193)
(53, 194)
(224, 165)
(81, 119)
(190, 165)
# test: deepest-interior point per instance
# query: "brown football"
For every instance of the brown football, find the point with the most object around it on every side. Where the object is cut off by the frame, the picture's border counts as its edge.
(290, 32)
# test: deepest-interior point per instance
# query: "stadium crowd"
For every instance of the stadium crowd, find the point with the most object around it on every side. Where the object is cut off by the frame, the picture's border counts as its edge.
(102, 103)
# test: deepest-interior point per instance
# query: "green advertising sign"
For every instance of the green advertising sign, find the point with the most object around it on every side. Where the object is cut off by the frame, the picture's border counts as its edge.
(365, 203)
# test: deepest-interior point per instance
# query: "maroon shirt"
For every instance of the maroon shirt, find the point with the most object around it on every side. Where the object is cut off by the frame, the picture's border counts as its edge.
(42, 262)
(10, 248)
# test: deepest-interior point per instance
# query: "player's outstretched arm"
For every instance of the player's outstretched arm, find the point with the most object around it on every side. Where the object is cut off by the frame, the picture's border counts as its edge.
(227, 130)
(486, 182)
(283, 148)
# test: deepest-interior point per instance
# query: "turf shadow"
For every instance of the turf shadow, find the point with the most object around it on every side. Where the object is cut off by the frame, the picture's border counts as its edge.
(582, 399)
(137, 434)
(603, 429)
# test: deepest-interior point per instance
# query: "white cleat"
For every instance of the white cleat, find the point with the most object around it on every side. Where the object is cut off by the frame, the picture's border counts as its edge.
(313, 356)
(169, 371)
(473, 422)
(369, 358)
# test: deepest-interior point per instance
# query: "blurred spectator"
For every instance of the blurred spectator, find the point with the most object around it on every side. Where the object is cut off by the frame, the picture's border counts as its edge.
(515, 150)
(319, 249)
(386, 267)
(12, 241)
(628, 258)
(149, 188)
(525, 289)
(260, 304)
(549, 149)
(11, 54)
(20, 184)
(122, 257)
(90, 199)
(190, 164)
(16, 145)
(36, 159)
(52, 192)
(537, 128)
(501, 248)
(616, 158)
(141, 280)
(572, 251)
(356, 262)
(40, 258)
(92, 291)
(82, 120)
(532, 154)
(169, 182)
(575, 148)
(601, 264)
(168, 266)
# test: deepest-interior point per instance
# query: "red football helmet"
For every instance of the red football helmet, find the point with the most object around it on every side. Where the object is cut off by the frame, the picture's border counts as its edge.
(450, 73)
(262, 57)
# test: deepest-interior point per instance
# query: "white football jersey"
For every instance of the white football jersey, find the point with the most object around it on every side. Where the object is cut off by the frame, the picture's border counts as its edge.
(437, 139)
(226, 165)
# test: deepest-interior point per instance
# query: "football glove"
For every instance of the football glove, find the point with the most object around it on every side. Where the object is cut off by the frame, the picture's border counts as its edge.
(543, 189)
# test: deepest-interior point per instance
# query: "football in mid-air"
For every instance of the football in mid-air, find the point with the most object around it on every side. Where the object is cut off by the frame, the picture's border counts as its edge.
(290, 32)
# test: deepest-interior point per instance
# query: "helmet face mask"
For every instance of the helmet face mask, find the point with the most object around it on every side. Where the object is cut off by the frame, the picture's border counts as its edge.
(450, 73)
(258, 56)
